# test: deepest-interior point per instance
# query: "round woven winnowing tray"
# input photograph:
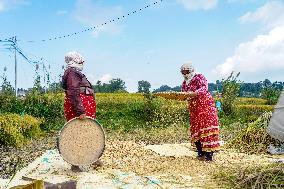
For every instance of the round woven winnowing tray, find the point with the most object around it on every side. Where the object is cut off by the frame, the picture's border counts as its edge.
(81, 141)
(172, 95)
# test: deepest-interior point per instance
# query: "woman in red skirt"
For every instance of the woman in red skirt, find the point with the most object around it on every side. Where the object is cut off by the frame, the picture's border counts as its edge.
(204, 125)
(79, 94)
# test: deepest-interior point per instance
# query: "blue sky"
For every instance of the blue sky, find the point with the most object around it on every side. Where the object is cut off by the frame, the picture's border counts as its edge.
(216, 36)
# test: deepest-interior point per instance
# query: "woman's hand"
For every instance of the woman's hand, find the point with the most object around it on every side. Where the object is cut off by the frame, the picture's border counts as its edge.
(82, 116)
(191, 94)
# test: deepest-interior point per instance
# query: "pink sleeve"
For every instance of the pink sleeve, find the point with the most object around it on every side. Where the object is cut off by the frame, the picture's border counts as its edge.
(202, 85)
(183, 87)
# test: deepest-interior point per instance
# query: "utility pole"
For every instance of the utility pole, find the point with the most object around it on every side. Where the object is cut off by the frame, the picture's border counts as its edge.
(15, 44)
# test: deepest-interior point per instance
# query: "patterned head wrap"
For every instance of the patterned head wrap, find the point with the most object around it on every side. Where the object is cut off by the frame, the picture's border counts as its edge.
(188, 66)
(74, 60)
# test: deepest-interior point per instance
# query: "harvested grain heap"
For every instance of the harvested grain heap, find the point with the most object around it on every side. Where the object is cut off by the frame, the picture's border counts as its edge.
(254, 138)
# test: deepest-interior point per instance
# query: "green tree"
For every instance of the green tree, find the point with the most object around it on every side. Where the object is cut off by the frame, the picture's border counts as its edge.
(98, 86)
(144, 86)
(163, 88)
(116, 85)
(37, 83)
(55, 87)
(271, 94)
(267, 83)
(6, 87)
(176, 88)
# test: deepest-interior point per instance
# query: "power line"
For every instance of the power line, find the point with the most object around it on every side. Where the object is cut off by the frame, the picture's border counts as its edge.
(13, 47)
(36, 61)
(11, 42)
(91, 28)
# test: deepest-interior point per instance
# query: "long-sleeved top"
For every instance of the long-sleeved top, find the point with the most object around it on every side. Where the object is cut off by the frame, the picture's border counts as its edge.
(74, 83)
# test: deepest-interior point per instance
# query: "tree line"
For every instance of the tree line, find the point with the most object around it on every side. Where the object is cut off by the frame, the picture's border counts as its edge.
(143, 86)
(246, 89)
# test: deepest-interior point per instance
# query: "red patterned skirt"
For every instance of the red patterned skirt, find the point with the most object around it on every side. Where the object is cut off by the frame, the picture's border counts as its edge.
(204, 124)
(89, 104)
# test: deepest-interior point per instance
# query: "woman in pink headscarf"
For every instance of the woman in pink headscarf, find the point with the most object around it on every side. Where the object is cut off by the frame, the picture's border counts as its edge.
(79, 94)
(204, 126)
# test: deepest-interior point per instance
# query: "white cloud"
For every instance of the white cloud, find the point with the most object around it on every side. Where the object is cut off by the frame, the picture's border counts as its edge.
(106, 78)
(263, 54)
(10, 4)
(94, 14)
(271, 15)
(198, 4)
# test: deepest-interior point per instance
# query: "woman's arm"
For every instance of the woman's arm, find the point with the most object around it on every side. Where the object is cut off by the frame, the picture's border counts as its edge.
(73, 92)
(202, 85)
(191, 94)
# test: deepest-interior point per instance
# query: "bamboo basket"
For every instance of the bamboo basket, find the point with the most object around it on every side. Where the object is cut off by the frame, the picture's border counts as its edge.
(172, 95)
(81, 141)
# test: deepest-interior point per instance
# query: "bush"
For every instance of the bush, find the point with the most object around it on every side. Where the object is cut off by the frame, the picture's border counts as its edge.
(246, 110)
(9, 103)
(249, 113)
(230, 91)
(16, 129)
(48, 106)
(270, 94)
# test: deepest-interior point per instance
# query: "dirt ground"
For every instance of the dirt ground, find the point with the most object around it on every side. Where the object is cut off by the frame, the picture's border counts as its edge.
(175, 163)
(165, 165)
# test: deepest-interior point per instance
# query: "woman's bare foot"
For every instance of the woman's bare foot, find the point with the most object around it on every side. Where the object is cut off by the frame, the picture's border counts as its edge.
(75, 168)
(96, 164)
(200, 158)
